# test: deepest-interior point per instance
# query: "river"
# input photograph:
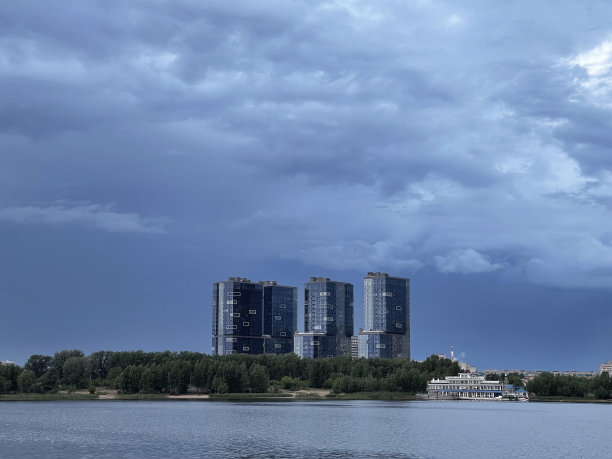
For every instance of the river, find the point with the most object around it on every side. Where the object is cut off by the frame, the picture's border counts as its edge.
(411, 429)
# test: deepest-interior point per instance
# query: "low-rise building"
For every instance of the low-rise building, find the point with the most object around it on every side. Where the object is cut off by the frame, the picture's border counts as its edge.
(606, 368)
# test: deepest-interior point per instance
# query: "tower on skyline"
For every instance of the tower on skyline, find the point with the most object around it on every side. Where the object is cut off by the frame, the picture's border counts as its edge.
(328, 319)
(387, 317)
(253, 317)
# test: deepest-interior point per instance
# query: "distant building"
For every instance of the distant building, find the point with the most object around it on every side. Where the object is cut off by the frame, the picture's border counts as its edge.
(387, 317)
(6, 362)
(606, 368)
(467, 368)
(328, 319)
(253, 317)
(354, 347)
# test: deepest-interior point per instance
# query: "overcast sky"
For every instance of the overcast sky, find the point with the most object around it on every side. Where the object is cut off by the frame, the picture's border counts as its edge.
(150, 148)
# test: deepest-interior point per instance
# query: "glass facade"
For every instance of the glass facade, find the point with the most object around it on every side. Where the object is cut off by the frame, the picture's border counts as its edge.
(387, 303)
(383, 345)
(328, 307)
(314, 345)
(328, 319)
(387, 317)
(274, 345)
(246, 314)
(280, 310)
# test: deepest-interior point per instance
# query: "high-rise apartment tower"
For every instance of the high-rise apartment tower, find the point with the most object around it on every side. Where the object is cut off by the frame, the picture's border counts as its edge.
(253, 317)
(328, 319)
(387, 317)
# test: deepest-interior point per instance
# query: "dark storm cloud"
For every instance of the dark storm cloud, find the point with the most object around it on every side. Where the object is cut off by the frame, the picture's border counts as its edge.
(149, 148)
(415, 134)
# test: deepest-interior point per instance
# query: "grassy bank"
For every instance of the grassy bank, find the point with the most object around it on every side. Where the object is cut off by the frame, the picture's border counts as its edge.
(44, 397)
(533, 398)
(373, 396)
(304, 394)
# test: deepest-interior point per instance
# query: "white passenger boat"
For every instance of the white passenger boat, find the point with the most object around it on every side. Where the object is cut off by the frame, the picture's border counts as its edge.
(466, 386)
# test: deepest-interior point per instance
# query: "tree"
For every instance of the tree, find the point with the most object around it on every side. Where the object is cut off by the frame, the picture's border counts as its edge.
(259, 378)
(8, 377)
(202, 375)
(100, 364)
(47, 382)
(75, 372)
(147, 381)
(26, 380)
(319, 371)
(113, 375)
(235, 375)
(219, 386)
(129, 380)
(601, 385)
(39, 364)
(60, 358)
(4, 384)
(179, 375)
(515, 379)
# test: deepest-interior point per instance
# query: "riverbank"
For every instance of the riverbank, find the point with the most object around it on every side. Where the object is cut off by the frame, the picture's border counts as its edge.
(303, 394)
(568, 400)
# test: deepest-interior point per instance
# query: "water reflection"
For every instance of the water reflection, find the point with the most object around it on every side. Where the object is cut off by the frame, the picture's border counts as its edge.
(303, 429)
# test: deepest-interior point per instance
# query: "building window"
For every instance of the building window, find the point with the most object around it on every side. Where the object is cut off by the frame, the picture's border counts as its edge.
(231, 302)
(328, 319)
(252, 311)
(235, 314)
(246, 348)
(234, 293)
(231, 327)
(324, 293)
(381, 346)
(398, 325)
(283, 333)
(398, 308)
(387, 294)
(283, 306)
(317, 327)
(277, 346)
(246, 324)
(277, 317)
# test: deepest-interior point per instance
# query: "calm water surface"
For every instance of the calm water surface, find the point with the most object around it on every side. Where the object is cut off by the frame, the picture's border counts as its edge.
(304, 429)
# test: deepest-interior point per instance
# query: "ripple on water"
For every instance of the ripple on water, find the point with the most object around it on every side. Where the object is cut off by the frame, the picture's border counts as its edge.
(304, 429)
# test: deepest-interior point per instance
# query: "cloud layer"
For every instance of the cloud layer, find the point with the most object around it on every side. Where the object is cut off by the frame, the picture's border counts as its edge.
(403, 136)
(86, 214)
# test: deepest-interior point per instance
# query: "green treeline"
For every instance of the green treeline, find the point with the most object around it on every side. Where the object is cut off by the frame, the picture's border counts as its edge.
(550, 385)
(173, 373)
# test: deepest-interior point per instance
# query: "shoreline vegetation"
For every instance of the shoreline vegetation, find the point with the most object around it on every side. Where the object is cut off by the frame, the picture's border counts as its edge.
(137, 375)
(288, 396)
(106, 394)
